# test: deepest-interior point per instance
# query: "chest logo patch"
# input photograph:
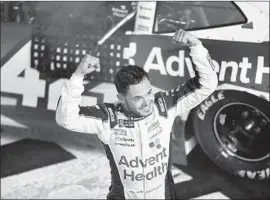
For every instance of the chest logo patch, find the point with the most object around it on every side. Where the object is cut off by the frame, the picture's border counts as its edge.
(120, 132)
(153, 126)
(126, 123)
(155, 143)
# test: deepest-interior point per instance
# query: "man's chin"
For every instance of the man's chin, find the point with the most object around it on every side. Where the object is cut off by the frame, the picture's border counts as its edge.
(147, 113)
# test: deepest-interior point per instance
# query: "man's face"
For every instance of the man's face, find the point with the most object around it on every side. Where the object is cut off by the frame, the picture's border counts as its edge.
(139, 99)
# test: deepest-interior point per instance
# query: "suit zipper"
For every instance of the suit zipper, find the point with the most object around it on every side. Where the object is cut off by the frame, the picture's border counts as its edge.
(142, 160)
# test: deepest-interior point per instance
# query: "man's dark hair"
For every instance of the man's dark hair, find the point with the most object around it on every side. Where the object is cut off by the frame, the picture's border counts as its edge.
(128, 75)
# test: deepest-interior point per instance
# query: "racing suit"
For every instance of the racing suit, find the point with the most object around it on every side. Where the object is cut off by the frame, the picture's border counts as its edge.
(138, 148)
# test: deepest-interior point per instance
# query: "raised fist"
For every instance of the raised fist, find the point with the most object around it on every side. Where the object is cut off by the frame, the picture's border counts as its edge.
(87, 65)
(181, 36)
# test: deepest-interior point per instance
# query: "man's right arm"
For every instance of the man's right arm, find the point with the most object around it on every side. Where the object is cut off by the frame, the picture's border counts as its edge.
(71, 116)
(69, 113)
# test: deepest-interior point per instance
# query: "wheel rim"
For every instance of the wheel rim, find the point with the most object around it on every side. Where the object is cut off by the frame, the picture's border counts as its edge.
(241, 130)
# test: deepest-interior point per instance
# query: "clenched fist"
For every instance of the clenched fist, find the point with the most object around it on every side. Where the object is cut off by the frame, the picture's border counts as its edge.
(181, 36)
(87, 65)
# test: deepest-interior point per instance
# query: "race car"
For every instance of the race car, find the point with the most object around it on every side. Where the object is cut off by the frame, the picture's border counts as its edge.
(230, 126)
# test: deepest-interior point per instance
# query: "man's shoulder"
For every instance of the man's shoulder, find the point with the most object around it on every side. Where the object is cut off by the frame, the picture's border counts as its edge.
(112, 105)
(111, 109)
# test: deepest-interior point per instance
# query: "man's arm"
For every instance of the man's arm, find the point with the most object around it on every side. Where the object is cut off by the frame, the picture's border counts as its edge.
(69, 114)
(195, 90)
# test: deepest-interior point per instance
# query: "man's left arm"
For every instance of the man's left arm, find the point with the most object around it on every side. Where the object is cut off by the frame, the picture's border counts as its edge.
(195, 90)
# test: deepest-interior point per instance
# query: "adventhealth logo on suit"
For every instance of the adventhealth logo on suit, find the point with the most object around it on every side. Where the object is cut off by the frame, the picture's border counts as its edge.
(159, 163)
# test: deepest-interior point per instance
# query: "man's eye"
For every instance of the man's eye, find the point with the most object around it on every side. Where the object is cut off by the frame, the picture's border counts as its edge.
(137, 98)
(150, 92)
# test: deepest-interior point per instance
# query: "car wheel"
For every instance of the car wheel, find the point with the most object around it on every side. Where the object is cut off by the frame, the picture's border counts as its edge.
(232, 128)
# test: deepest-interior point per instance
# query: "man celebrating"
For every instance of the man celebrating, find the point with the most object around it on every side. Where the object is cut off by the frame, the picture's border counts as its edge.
(136, 130)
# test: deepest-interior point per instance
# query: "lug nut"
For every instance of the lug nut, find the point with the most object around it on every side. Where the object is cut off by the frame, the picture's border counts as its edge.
(263, 123)
(257, 130)
(245, 114)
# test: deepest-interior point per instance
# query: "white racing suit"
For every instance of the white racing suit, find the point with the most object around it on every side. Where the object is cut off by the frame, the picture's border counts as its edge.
(138, 149)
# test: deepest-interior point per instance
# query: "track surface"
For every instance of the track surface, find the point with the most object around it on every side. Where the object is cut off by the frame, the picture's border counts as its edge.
(88, 176)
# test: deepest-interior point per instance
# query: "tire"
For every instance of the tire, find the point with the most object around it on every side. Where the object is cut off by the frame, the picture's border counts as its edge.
(224, 112)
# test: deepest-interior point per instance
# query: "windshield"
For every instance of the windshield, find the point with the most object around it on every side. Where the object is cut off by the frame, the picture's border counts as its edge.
(173, 15)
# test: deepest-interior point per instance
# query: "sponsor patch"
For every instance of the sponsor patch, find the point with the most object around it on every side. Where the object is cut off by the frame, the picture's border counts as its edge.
(144, 8)
(155, 143)
(124, 141)
(113, 119)
(155, 133)
(126, 123)
(120, 132)
(153, 126)
(161, 105)
(142, 28)
(144, 17)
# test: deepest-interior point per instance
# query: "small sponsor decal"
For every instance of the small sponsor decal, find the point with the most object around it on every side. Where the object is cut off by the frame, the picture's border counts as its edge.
(160, 102)
(144, 8)
(121, 138)
(124, 139)
(153, 126)
(144, 17)
(120, 132)
(126, 123)
(155, 143)
(112, 115)
(155, 133)
(124, 144)
(143, 28)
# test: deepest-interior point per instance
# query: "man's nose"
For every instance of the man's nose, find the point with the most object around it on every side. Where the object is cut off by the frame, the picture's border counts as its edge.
(148, 99)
